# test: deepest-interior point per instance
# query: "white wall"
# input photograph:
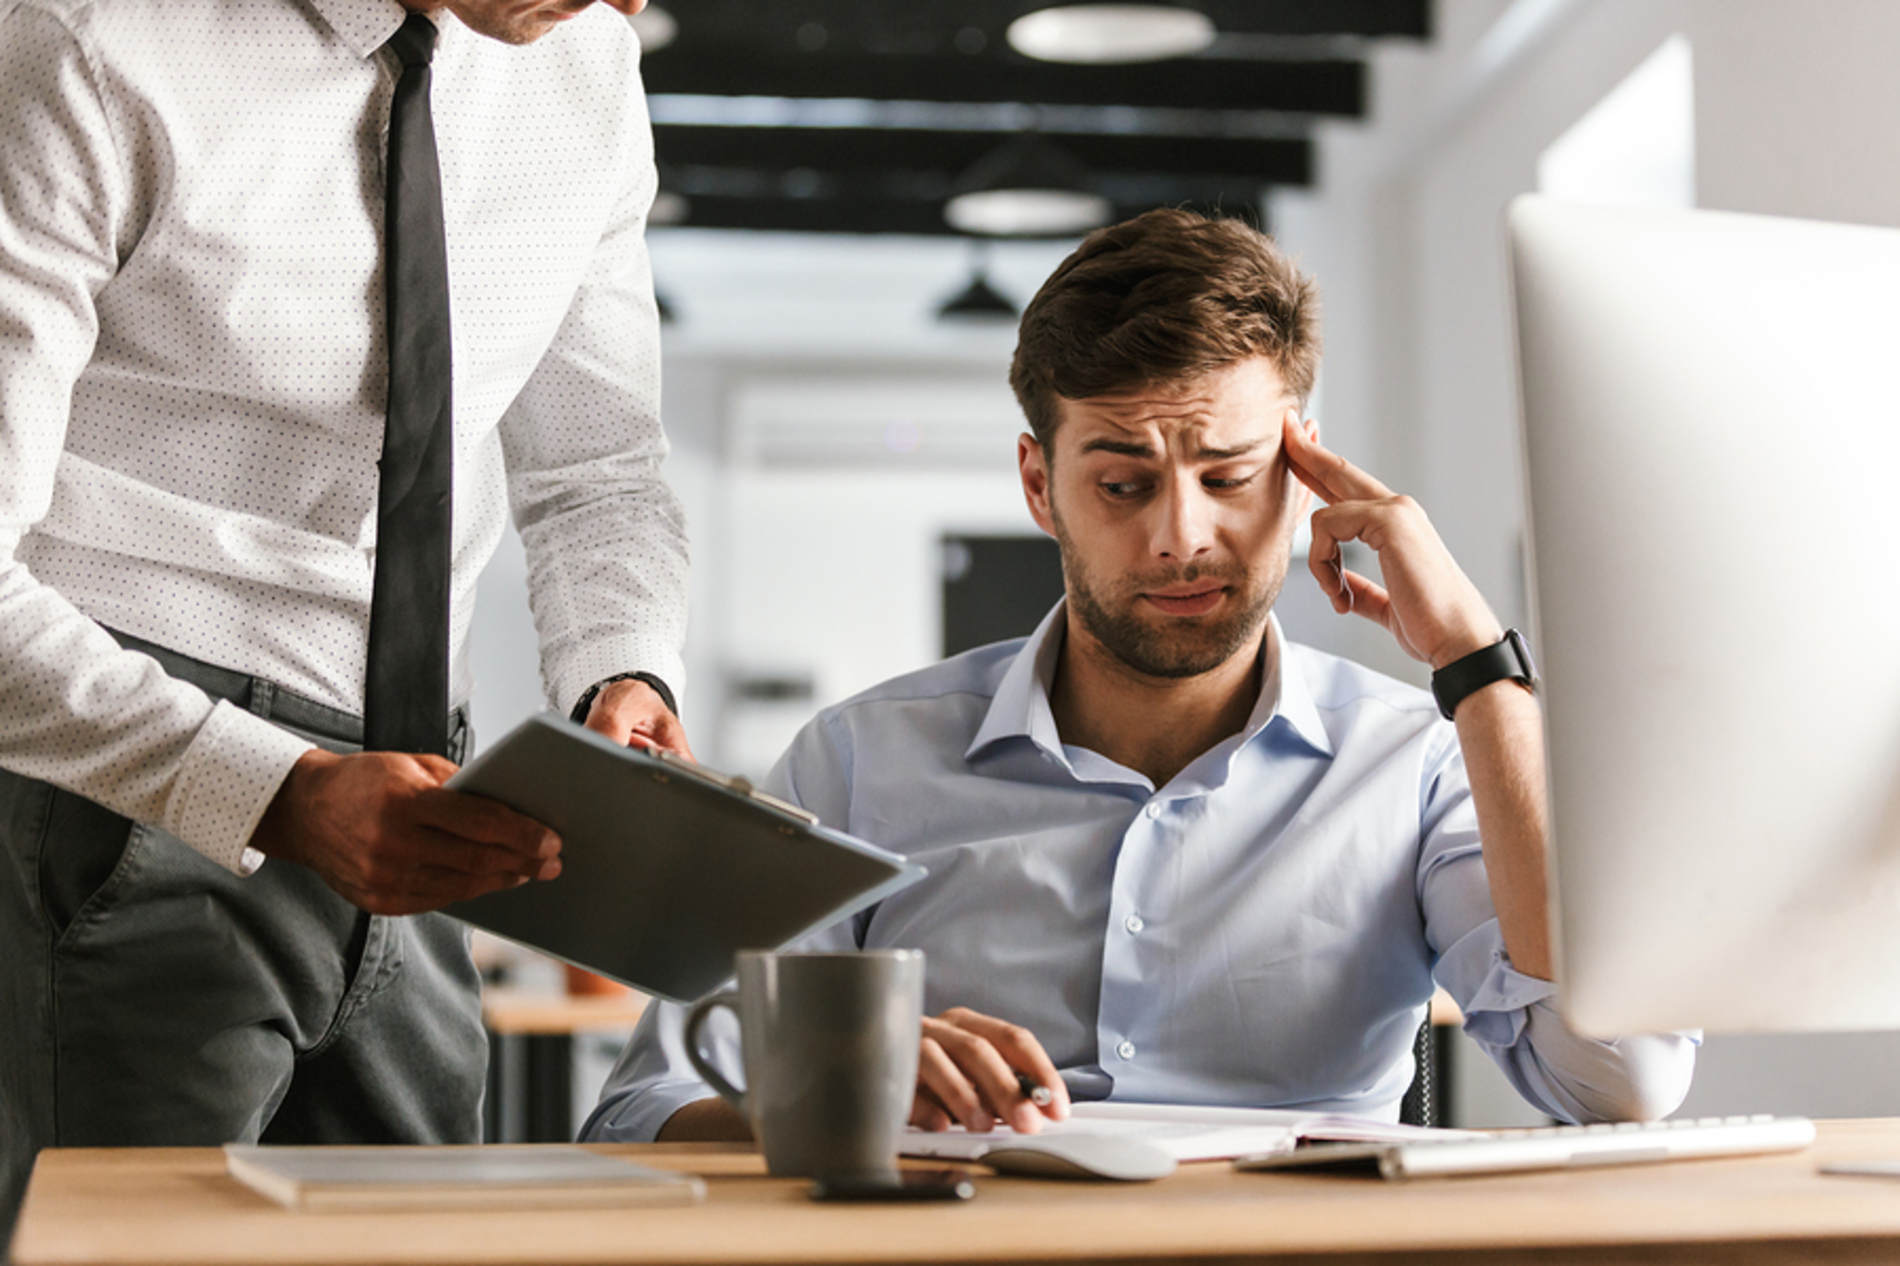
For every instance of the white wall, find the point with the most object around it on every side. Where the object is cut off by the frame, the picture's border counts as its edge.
(835, 575)
(1799, 103)
(1797, 112)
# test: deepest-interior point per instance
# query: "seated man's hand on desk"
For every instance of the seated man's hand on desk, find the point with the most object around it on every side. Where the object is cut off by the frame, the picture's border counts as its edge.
(970, 1072)
(381, 830)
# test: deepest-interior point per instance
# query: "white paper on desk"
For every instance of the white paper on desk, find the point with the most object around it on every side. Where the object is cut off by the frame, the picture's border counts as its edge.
(1185, 1132)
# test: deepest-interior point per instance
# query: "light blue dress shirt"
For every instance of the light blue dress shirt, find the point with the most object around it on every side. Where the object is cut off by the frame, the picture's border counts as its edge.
(1264, 930)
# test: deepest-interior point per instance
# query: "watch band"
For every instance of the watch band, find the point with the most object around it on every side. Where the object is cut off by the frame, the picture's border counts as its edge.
(1507, 659)
(586, 701)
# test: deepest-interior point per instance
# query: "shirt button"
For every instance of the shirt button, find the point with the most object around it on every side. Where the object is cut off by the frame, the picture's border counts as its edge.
(1153, 811)
(1133, 923)
(1126, 1050)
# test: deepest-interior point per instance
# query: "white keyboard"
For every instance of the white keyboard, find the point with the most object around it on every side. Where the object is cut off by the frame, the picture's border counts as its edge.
(1557, 1147)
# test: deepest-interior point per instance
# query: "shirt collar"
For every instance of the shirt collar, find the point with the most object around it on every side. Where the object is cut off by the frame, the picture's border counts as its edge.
(363, 25)
(1020, 707)
(1287, 694)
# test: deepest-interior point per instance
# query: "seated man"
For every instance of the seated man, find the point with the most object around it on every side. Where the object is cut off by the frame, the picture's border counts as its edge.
(1173, 857)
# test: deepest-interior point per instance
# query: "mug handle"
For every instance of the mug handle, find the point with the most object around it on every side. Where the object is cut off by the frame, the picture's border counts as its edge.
(695, 1020)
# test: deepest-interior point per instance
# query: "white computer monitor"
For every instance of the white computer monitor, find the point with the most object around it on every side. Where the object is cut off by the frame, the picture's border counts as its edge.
(1711, 407)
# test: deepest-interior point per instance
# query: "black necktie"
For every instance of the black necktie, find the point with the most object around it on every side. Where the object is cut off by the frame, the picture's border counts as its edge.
(406, 695)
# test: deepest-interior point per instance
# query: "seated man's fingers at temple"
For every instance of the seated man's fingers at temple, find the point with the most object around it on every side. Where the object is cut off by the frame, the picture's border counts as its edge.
(1427, 602)
(980, 1070)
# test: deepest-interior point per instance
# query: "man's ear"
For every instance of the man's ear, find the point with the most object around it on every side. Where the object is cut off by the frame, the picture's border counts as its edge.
(1033, 466)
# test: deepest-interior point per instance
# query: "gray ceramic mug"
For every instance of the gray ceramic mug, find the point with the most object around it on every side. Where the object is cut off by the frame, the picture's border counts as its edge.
(830, 1045)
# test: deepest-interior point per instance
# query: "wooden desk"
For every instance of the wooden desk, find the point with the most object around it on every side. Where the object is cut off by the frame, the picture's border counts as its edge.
(177, 1206)
(512, 1011)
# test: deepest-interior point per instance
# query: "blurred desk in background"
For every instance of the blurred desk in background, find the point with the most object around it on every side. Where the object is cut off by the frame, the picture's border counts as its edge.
(531, 1050)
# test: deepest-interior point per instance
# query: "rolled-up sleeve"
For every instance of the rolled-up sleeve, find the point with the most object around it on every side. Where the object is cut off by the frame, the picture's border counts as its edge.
(1514, 1017)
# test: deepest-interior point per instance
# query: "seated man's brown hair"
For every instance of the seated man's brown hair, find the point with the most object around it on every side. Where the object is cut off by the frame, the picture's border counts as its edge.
(1168, 295)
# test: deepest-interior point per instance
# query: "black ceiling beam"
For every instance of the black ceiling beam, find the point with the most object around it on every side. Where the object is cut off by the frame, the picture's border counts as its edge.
(1330, 87)
(1408, 18)
(942, 26)
(817, 215)
(1130, 188)
(1276, 160)
(849, 215)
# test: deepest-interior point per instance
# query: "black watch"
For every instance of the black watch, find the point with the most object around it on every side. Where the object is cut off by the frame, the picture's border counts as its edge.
(579, 714)
(1509, 659)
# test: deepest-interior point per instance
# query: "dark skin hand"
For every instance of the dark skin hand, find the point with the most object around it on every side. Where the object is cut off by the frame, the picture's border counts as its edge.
(633, 713)
(967, 1074)
(382, 830)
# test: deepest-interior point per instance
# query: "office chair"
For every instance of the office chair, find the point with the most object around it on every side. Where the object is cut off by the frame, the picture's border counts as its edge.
(1420, 1105)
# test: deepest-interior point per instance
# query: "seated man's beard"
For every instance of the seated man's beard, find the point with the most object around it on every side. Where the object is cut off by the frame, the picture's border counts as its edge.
(1167, 646)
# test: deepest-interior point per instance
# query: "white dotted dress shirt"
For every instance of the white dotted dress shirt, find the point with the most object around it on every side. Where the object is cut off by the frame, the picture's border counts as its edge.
(193, 374)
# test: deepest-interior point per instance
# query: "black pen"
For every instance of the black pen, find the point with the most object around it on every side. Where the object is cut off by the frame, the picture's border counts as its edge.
(1035, 1091)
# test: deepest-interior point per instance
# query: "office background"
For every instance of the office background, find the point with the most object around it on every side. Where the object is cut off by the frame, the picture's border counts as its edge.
(830, 431)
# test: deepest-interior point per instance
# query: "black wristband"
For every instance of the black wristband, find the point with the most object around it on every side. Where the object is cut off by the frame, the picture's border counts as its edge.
(1507, 659)
(579, 714)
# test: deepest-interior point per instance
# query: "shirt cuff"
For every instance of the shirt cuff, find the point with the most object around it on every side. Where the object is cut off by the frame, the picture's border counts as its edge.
(1494, 995)
(229, 776)
(598, 663)
(585, 703)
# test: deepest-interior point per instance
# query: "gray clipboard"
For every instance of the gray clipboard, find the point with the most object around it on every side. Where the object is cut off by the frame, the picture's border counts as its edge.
(667, 868)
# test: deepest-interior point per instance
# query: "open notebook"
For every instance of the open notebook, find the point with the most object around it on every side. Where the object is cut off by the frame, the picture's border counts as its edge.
(1183, 1132)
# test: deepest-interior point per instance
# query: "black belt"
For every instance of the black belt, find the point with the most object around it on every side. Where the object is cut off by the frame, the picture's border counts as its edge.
(263, 697)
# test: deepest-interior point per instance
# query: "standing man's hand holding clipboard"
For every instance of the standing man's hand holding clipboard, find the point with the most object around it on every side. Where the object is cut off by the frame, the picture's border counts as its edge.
(632, 713)
(668, 868)
(383, 832)
(387, 836)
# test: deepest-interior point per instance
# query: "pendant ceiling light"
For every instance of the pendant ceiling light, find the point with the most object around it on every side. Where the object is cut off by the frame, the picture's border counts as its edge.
(978, 302)
(655, 27)
(669, 208)
(1105, 33)
(1027, 188)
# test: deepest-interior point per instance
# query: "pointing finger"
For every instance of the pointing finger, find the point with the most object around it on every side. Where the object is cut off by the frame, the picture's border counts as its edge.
(1328, 474)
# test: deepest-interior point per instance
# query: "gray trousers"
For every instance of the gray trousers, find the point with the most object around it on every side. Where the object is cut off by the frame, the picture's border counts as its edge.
(150, 997)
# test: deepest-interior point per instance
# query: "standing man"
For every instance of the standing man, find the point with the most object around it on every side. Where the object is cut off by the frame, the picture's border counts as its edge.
(298, 300)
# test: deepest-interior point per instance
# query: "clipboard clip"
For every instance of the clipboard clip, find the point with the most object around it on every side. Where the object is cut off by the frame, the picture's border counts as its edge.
(730, 782)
